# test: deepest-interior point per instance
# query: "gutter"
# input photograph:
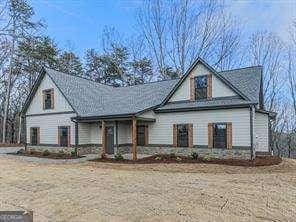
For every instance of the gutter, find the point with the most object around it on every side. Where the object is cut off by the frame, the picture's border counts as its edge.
(103, 117)
(201, 108)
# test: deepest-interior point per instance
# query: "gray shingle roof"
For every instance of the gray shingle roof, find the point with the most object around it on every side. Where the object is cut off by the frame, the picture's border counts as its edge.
(247, 80)
(89, 98)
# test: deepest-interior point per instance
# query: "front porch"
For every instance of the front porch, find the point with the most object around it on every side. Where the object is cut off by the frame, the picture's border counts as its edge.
(112, 135)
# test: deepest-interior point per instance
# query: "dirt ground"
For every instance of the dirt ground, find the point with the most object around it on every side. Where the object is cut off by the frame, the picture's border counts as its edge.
(94, 191)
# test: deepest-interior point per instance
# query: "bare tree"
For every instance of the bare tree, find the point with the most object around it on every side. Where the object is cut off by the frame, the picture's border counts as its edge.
(19, 25)
(292, 64)
(267, 49)
(178, 32)
(152, 20)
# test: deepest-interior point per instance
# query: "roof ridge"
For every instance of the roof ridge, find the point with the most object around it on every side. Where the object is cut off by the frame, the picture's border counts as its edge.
(247, 67)
(80, 77)
(147, 83)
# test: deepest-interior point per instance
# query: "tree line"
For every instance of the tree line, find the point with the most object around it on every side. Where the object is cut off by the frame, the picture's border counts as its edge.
(168, 36)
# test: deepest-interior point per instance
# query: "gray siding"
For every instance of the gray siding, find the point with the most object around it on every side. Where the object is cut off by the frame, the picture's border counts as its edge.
(60, 103)
(49, 127)
(218, 87)
(261, 132)
(161, 132)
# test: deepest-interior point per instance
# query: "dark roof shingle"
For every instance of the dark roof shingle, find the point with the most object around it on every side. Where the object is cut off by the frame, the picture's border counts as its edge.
(247, 80)
(89, 98)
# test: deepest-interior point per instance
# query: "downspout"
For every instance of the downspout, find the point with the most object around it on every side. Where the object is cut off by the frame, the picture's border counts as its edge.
(25, 125)
(269, 136)
(252, 115)
(76, 136)
(116, 129)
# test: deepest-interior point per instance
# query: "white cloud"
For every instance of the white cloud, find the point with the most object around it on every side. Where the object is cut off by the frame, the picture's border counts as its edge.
(275, 16)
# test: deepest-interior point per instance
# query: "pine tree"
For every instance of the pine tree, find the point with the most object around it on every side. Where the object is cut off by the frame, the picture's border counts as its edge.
(69, 63)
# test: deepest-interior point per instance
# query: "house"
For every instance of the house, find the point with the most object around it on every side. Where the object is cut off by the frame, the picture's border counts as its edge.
(212, 113)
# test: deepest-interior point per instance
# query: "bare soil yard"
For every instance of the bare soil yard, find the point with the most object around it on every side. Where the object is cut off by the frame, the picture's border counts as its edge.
(96, 191)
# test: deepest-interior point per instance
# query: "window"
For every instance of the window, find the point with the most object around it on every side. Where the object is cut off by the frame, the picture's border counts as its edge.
(34, 134)
(220, 135)
(64, 136)
(141, 135)
(182, 135)
(200, 86)
(48, 99)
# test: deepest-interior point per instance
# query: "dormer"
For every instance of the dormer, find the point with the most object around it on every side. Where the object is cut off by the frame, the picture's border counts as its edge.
(201, 82)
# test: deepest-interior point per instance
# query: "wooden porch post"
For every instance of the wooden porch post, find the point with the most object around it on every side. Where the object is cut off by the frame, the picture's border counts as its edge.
(76, 138)
(134, 137)
(103, 133)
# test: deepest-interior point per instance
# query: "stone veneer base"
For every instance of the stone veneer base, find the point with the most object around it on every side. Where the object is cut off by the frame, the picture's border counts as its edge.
(202, 152)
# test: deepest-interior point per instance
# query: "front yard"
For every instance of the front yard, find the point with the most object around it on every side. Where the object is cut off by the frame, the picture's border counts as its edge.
(97, 191)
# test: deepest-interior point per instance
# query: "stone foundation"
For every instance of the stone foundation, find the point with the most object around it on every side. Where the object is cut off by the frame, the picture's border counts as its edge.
(89, 149)
(202, 152)
(53, 149)
(82, 149)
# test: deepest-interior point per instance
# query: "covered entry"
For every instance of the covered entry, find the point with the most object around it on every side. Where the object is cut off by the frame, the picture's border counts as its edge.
(121, 133)
(109, 139)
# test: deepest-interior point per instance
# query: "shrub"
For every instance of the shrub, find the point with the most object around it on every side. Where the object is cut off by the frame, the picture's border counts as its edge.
(194, 155)
(61, 153)
(46, 153)
(73, 153)
(21, 151)
(208, 157)
(158, 158)
(179, 159)
(31, 152)
(118, 157)
(172, 155)
(103, 156)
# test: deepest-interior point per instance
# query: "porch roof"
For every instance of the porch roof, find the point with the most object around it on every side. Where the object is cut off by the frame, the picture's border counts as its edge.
(126, 117)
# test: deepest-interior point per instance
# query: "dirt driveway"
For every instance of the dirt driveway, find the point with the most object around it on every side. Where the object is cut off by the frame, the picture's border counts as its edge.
(107, 192)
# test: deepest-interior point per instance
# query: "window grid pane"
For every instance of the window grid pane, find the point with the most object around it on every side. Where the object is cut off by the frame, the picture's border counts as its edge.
(182, 137)
(200, 85)
(47, 100)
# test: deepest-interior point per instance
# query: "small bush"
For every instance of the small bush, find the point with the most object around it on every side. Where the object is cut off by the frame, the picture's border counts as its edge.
(158, 158)
(73, 153)
(194, 155)
(46, 153)
(172, 155)
(21, 151)
(32, 152)
(118, 157)
(179, 159)
(103, 156)
(61, 153)
(208, 157)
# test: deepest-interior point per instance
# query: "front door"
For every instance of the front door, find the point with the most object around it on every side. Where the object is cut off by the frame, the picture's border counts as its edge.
(110, 139)
(220, 135)
(64, 135)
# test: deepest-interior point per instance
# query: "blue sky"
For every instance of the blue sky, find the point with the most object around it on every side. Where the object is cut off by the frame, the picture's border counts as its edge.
(77, 24)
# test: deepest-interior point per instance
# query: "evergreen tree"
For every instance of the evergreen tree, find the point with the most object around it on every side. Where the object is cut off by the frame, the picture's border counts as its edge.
(35, 53)
(109, 68)
(141, 71)
(69, 63)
